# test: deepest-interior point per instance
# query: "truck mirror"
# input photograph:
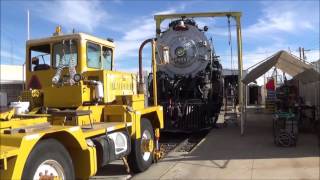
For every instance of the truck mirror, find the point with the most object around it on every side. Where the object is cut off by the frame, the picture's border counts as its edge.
(106, 53)
(35, 61)
(205, 28)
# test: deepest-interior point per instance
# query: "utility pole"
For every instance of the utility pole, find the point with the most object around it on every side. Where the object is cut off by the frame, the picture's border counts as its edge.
(300, 53)
(11, 52)
(28, 38)
(28, 24)
(304, 54)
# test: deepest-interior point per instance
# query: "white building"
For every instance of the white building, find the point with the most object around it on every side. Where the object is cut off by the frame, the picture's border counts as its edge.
(12, 79)
(316, 65)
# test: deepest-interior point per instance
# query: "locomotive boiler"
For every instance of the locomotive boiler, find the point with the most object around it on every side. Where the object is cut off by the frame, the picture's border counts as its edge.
(189, 82)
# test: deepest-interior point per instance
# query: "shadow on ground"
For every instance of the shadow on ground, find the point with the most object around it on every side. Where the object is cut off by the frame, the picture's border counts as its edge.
(257, 143)
(112, 170)
(227, 155)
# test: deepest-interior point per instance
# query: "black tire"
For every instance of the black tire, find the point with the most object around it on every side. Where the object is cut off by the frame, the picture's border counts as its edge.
(136, 162)
(49, 149)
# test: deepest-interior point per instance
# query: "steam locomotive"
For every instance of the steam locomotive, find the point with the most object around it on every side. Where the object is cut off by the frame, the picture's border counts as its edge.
(189, 78)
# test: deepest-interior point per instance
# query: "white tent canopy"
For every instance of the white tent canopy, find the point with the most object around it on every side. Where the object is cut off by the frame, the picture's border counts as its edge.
(281, 60)
(289, 64)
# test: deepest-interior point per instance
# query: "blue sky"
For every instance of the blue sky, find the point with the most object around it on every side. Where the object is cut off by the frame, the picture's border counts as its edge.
(267, 26)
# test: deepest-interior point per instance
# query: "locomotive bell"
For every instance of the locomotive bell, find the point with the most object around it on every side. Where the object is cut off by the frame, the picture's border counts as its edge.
(181, 24)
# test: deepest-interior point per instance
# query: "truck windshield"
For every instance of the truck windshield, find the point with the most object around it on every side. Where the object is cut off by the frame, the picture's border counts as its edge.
(65, 53)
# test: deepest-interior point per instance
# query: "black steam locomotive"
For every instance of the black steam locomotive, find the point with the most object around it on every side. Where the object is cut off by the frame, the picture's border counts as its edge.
(189, 77)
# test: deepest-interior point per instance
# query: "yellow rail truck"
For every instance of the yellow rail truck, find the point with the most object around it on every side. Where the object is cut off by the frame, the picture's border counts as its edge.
(77, 114)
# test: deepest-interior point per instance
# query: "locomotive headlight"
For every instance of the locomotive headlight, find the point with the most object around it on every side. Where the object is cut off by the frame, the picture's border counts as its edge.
(180, 51)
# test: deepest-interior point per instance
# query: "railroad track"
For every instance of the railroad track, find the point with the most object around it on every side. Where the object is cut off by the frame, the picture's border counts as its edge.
(169, 142)
(180, 142)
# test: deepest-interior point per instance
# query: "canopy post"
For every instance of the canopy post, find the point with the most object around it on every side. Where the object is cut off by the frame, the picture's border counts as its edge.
(240, 68)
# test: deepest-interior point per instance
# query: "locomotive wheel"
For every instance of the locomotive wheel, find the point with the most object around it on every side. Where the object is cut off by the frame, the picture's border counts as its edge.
(141, 155)
(48, 160)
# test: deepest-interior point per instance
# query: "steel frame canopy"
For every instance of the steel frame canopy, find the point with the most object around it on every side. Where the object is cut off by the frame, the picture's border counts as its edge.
(237, 16)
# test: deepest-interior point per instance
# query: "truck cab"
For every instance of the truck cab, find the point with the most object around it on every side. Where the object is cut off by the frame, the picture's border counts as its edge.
(55, 65)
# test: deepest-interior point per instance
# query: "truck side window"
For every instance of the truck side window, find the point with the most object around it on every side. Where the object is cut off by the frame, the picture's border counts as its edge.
(40, 58)
(106, 58)
(93, 55)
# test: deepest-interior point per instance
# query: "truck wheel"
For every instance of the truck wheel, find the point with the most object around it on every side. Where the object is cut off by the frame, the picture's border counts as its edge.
(141, 155)
(48, 159)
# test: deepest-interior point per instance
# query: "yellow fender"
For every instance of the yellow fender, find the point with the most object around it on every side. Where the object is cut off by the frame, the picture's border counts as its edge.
(83, 156)
(154, 114)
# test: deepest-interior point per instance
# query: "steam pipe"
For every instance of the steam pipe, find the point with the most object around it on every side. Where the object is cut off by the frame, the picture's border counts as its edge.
(154, 68)
(140, 63)
(154, 72)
